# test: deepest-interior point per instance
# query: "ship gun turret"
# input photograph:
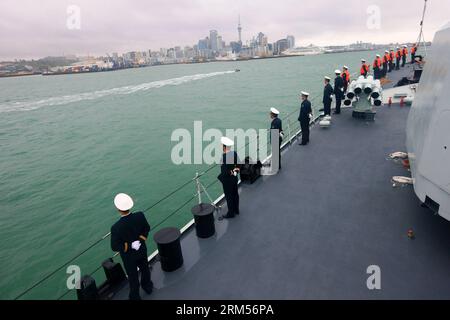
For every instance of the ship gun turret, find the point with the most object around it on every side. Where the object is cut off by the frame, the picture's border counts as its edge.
(364, 94)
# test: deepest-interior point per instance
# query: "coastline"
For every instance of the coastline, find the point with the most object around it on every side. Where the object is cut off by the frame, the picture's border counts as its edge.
(164, 64)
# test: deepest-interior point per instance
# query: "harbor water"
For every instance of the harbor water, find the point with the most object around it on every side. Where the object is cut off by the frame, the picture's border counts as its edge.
(69, 143)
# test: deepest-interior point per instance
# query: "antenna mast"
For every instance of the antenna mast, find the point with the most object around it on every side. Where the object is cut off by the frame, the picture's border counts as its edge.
(421, 37)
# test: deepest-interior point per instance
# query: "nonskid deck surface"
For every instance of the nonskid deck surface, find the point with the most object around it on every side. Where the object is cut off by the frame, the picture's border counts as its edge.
(311, 231)
(395, 76)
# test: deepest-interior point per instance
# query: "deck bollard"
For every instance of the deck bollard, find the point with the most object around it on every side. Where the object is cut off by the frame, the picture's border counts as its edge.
(114, 272)
(169, 248)
(204, 220)
(87, 289)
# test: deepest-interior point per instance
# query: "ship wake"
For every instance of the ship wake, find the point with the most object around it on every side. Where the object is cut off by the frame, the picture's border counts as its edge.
(63, 100)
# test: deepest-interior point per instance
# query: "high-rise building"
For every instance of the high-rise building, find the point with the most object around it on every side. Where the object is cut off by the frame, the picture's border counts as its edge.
(130, 57)
(171, 54)
(291, 42)
(188, 52)
(213, 40)
(178, 52)
(203, 44)
(204, 48)
(261, 40)
(219, 43)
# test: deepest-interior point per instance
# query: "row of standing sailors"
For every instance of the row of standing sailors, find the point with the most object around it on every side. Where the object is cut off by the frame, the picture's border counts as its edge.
(341, 83)
(391, 60)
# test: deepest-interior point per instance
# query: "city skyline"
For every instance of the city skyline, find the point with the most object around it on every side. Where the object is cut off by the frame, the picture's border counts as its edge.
(26, 34)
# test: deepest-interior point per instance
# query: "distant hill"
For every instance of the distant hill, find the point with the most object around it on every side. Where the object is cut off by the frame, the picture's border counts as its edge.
(40, 64)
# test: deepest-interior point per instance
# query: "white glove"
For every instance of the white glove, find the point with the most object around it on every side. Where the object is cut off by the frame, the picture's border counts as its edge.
(310, 116)
(281, 135)
(136, 245)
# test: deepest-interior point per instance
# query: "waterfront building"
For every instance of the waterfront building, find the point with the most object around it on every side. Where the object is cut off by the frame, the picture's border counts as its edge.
(291, 42)
(281, 46)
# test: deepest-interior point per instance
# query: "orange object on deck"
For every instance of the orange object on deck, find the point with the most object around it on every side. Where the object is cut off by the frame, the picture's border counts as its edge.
(384, 81)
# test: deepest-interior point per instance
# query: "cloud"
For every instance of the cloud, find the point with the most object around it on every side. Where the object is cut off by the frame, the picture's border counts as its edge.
(30, 28)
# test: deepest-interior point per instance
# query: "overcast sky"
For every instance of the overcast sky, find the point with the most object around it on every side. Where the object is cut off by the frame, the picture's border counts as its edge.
(38, 28)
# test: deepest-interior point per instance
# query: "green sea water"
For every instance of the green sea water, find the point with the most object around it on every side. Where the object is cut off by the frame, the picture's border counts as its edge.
(69, 143)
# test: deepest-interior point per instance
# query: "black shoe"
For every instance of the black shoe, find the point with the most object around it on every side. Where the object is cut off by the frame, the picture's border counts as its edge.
(148, 289)
(302, 144)
(226, 216)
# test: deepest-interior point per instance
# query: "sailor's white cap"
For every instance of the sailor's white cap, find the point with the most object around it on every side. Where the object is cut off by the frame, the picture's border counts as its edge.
(274, 111)
(405, 46)
(337, 71)
(345, 67)
(226, 141)
(304, 93)
(386, 51)
(327, 78)
(363, 60)
(123, 202)
(398, 47)
(378, 56)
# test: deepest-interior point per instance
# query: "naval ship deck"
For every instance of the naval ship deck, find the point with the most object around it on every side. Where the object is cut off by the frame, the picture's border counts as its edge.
(311, 231)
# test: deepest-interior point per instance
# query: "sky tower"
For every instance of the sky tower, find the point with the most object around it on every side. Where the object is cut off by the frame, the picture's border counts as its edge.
(240, 29)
